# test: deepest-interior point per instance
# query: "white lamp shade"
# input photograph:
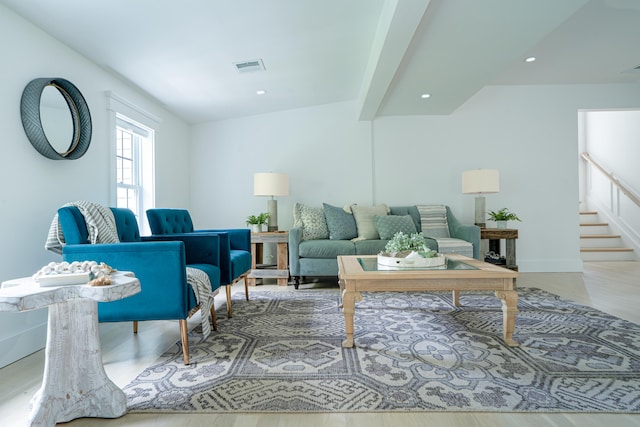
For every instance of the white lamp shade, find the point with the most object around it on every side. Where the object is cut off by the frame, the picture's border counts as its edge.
(270, 184)
(479, 181)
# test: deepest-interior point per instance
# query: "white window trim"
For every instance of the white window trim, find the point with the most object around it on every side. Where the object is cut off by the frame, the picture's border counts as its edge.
(118, 105)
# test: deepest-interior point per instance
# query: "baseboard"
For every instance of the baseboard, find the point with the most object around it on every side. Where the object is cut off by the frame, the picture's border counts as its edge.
(28, 341)
(550, 265)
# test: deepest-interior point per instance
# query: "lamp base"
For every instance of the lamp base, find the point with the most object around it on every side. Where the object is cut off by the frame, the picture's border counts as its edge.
(272, 209)
(480, 211)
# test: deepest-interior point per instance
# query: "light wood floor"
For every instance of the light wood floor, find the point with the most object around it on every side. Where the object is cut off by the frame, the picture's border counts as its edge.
(613, 287)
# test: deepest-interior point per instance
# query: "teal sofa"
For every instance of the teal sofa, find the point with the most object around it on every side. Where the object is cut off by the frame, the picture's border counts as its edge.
(311, 254)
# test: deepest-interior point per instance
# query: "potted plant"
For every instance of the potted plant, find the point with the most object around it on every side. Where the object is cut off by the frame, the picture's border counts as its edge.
(257, 221)
(407, 251)
(502, 216)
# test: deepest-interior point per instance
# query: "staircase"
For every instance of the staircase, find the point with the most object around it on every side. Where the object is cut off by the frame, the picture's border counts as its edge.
(598, 244)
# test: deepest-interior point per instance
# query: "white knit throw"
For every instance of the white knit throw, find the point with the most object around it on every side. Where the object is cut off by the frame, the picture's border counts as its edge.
(101, 226)
(201, 285)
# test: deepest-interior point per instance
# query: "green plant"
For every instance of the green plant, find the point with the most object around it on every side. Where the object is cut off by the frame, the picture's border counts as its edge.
(403, 244)
(503, 215)
(258, 219)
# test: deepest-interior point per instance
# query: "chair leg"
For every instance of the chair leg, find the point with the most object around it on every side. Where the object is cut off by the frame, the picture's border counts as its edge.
(184, 336)
(214, 321)
(135, 326)
(228, 301)
(246, 287)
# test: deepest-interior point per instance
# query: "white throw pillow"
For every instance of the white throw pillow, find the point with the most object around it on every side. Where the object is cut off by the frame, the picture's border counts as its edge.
(365, 220)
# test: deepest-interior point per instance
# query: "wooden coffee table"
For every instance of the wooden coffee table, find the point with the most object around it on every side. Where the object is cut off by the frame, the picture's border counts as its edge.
(359, 273)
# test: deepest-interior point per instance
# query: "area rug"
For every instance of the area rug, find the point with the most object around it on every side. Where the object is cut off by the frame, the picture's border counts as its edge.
(281, 352)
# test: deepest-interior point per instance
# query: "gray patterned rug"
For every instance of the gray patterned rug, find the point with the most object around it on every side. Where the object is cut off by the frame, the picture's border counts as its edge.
(281, 352)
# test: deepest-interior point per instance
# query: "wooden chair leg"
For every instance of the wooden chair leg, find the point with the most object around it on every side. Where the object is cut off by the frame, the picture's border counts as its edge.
(214, 321)
(184, 336)
(246, 287)
(228, 301)
(135, 326)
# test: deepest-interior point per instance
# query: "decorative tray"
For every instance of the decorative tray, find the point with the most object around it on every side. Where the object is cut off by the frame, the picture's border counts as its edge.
(412, 261)
(63, 279)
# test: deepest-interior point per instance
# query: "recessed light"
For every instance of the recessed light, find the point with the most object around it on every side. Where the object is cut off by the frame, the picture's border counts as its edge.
(261, 92)
(530, 59)
(425, 96)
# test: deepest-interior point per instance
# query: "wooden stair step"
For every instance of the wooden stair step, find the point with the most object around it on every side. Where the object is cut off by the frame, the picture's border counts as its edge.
(606, 250)
(589, 213)
(599, 236)
(594, 224)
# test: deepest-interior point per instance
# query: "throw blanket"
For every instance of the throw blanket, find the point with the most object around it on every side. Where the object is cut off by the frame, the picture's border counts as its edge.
(101, 226)
(433, 219)
(201, 286)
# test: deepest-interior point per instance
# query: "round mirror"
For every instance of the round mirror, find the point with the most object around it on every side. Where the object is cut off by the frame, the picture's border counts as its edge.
(57, 122)
(56, 118)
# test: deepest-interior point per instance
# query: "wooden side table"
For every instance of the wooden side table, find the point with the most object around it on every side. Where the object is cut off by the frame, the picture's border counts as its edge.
(260, 271)
(509, 235)
(74, 383)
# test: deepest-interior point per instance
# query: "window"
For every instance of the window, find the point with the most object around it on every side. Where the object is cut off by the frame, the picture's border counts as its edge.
(134, 168)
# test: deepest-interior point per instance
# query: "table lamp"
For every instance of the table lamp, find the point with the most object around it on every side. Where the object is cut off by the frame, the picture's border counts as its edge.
(271, 184)
(480, 181)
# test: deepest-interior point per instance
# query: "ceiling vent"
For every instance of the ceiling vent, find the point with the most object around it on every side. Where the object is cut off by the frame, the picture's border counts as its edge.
(249, 66)
(634, 70)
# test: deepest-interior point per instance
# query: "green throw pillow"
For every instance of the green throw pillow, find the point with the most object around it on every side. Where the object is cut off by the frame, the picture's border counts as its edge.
(389, 225)
(312, 222)
(341, 224)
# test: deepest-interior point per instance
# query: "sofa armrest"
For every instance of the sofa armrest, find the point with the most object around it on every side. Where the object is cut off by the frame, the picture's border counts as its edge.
(295, 237)
(468, 232)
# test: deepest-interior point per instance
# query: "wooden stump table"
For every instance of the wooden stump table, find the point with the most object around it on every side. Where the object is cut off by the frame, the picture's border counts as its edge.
(74, 383)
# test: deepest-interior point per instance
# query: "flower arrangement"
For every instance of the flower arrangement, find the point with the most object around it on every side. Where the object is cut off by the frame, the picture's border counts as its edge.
(402, 245)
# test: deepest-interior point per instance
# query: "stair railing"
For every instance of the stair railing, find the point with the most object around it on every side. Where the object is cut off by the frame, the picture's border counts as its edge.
(626, 191)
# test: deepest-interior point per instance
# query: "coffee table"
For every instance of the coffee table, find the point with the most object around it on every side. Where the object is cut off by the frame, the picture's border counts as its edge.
(360, 273)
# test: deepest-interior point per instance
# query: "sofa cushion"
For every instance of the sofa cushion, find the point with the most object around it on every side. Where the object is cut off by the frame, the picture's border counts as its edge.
(407, 210)
(326, 248)
(434, 221)
(454, 246)
(311, 220)
(389, 225)
(365, 223)
(341, 224)
(370, 247)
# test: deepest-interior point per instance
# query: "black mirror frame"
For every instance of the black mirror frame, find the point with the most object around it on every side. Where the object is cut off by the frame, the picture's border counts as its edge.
(30, 113)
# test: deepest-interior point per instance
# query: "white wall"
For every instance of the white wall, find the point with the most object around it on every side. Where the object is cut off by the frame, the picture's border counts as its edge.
(611, 137)
(33, 187)
(324, 149)
(529, 133)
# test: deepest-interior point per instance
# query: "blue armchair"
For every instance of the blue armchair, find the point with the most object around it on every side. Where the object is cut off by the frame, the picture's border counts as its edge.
(160, 267)
(235, 245)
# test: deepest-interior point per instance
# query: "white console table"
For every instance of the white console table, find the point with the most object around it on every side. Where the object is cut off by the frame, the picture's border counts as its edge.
(74, 383)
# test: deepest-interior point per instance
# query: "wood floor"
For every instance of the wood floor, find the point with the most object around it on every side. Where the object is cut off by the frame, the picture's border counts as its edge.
(613, 287)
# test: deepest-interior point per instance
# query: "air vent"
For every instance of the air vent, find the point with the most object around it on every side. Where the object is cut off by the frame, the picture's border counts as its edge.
(634, 70)
(249, 66)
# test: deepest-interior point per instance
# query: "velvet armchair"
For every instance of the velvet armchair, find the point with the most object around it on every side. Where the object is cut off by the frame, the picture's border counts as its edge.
(235, 245)
(160, 266)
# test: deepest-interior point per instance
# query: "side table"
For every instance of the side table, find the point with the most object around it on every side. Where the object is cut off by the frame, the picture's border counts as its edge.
(509, 235)
(74, 383)
(259, 271)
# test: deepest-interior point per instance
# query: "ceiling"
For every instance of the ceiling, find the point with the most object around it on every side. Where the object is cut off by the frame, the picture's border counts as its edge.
(383, 54)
